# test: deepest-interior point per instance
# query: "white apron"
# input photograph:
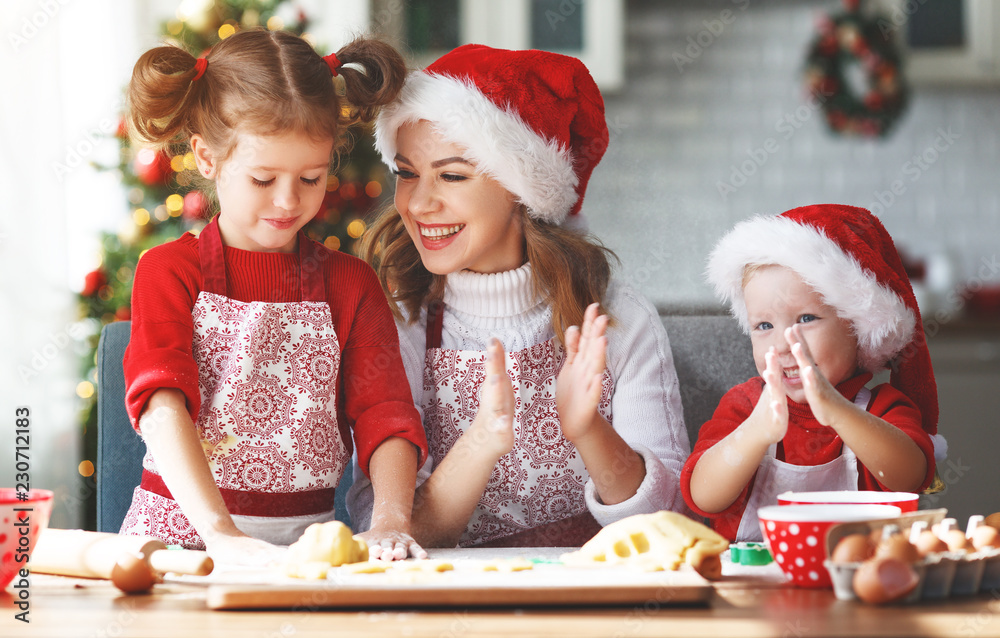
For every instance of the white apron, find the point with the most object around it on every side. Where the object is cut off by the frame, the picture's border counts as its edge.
(267, 375)
(535, 496)
(776, 477)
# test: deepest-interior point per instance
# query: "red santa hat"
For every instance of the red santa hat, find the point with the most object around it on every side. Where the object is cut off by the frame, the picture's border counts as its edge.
(532, 120)
(845, 254)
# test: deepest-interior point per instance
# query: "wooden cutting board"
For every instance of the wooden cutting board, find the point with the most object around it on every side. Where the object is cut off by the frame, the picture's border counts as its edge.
(548, 583)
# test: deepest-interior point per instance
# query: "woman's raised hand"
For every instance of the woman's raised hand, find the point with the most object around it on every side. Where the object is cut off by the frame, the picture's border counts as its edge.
(579, 385)
(493, 428)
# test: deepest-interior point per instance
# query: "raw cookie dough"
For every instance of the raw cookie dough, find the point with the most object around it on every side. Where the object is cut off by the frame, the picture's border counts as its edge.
(321, 546)
(663, 540)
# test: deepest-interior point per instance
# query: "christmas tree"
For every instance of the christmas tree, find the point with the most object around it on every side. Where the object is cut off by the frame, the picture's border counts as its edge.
(165, 202)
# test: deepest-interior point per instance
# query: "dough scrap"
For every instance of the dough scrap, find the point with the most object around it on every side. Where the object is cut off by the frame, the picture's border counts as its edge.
(663, 540)
(508, 565)
(327, 544)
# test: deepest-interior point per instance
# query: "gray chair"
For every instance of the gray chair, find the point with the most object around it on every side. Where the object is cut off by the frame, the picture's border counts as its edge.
(120, 449)
(711, 355)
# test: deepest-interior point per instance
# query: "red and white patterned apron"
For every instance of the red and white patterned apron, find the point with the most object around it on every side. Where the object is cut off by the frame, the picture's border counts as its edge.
(267, 375)
(775, 477)
(535, 496)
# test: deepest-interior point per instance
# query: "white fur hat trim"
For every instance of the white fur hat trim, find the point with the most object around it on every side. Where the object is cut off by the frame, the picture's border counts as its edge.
(881, 320)
(538, 172)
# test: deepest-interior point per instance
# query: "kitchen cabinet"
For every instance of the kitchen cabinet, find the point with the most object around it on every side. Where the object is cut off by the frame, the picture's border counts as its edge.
(946, 41)
(966, 359)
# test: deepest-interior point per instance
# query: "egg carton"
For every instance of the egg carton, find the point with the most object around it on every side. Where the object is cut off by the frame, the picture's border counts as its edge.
(940, 575)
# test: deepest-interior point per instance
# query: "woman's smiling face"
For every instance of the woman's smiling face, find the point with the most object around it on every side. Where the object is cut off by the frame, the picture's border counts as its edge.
(458, 217)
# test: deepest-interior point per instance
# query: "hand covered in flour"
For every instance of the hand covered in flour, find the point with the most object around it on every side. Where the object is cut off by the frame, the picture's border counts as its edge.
(770, 415)
(579, 385)
(493, 428)
(391, 544)
(824, 399)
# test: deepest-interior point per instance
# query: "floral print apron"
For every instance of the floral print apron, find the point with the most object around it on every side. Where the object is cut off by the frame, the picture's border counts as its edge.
(535, 496)
(267, 375)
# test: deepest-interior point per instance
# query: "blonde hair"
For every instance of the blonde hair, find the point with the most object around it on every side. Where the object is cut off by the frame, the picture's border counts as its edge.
(260, 81)
(570, 270)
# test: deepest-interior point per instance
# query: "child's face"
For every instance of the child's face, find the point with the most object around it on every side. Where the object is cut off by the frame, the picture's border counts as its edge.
(458, 217)
(776, 299)
(268, 188)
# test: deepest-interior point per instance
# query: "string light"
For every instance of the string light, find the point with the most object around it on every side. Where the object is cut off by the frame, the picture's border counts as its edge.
(86, 469)
(373, 189)
(226, 30)
(85, 389)
(175, 204)
(332, 242)
(356, 228)
(140, 216)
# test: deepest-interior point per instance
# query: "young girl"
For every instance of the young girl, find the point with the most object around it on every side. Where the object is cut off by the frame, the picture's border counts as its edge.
(823, 294)
(493, 150)
(255, 352)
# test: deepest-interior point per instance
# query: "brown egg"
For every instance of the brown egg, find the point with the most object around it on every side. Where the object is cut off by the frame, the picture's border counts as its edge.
(132, 574)
(956, 540)
(883, 580)
(899, 547)
(985, 536)
(853, 548)
(929, 543)
(993, 520)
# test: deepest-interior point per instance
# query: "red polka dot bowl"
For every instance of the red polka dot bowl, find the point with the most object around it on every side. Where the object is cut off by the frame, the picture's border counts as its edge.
(796, 536)
(906, 501)
(21, 521)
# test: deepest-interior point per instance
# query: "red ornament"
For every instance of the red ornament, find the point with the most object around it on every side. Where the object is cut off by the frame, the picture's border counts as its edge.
(195, 206)
(124, 313)
(93, 281)
(152, 167)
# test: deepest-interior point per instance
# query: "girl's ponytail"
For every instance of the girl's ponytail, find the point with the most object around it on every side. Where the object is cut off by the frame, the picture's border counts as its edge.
(161, 93)
(380, 80)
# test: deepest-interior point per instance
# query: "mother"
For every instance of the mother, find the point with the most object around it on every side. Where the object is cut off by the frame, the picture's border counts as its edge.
(492, 151)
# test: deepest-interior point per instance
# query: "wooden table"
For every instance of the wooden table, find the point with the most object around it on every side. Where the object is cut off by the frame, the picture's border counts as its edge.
(742, 605)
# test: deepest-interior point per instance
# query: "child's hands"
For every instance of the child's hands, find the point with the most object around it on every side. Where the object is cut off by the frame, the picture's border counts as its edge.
(391, 544)
(493, 428)
(823, 398)
(578, 387)
(771, 412)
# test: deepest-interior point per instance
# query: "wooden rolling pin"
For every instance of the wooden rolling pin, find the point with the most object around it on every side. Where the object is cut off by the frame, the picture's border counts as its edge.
(83, 554)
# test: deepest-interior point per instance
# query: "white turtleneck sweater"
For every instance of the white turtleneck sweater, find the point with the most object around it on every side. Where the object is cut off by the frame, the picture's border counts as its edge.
(645, 405)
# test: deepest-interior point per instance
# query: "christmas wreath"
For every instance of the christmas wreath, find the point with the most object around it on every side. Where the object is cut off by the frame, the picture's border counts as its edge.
(854, 38)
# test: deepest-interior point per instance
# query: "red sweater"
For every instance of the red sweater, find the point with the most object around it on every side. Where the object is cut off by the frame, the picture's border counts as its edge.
(807, 442)
(373, 395)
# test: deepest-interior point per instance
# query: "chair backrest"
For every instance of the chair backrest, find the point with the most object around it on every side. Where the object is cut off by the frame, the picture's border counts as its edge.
(120, 449)
(711, 355)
